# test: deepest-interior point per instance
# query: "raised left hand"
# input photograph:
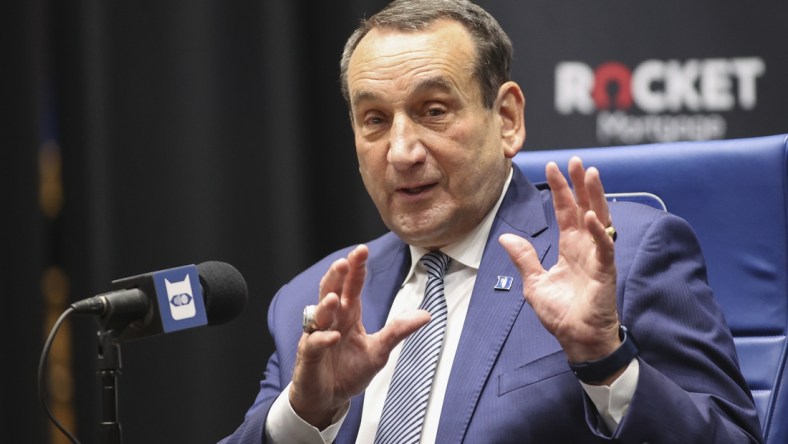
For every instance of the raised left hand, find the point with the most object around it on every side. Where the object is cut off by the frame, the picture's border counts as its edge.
(576, 298)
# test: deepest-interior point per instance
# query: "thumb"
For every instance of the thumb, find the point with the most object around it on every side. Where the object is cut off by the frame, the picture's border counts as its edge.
(522, 254)
(399, 328)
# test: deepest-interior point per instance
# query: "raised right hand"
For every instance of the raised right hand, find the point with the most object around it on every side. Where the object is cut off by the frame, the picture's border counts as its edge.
(339, 361)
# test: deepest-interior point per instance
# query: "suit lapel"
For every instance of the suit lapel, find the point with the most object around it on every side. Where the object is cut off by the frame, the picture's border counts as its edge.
(491, 312)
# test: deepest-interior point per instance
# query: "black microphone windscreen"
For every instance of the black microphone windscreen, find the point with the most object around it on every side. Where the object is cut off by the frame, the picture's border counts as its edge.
(224, 291)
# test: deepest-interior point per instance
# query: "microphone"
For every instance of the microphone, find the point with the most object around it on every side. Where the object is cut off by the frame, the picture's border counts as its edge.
(169, 300)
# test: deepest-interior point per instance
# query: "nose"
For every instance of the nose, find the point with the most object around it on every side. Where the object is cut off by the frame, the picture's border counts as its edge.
(405, 148)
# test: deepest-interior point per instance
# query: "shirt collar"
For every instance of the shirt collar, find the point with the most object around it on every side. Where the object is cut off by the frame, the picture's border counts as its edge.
(467, 250)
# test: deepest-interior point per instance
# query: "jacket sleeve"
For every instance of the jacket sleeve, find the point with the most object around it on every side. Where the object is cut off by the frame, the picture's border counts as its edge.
(252, 430)
(690, 388)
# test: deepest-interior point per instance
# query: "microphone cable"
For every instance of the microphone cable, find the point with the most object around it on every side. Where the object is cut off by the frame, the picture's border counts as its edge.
(42, 392)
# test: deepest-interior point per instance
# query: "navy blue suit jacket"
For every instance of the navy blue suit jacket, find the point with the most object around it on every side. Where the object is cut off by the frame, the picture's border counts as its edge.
(510, 381)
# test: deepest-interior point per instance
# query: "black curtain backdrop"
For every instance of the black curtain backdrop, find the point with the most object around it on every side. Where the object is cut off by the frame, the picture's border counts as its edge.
(22, 228)
(210, 130)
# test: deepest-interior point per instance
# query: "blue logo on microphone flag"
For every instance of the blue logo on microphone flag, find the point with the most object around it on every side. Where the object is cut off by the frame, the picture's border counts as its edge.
(179, 294)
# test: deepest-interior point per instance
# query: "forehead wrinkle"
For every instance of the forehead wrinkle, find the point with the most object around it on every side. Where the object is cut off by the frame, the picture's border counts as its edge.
(434, 83)
(440, 83)
(399, 65)
(389, 64)
(378, 69)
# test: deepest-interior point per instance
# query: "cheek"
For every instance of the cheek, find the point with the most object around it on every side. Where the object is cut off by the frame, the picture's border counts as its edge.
(372, 169)
(477, 174)
(368, 157)
(364, 157)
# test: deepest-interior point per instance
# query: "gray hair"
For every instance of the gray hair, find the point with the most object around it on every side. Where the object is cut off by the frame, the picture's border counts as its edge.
(493, 47)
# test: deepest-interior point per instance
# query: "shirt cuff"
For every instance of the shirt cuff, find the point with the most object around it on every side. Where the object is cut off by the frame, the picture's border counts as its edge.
(612, 402)
(283, 425)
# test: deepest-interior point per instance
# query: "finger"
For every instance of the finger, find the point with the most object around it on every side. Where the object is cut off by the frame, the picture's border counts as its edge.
(354, 279)
(326, 311)
(596, 193)
(605, 246)
(348, 312)
(332, 281)
(313, 346)
(522, 254)
(578, 176)
(563, 199)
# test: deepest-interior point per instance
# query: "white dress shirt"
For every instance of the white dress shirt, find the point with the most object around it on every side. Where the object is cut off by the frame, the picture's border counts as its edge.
(283, 425)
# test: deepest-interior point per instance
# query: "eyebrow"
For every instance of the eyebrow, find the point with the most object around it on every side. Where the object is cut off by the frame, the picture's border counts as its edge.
(439, 83)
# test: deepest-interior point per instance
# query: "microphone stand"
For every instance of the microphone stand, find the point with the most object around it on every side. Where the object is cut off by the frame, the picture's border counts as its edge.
(109, 369)
(113, 322)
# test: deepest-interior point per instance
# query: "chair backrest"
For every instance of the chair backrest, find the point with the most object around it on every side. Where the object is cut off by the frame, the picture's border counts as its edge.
(735, 196)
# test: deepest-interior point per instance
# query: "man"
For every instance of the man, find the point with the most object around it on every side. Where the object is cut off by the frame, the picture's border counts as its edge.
(537, 288)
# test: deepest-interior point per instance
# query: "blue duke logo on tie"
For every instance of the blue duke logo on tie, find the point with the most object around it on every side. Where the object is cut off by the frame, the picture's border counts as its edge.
(180, 299)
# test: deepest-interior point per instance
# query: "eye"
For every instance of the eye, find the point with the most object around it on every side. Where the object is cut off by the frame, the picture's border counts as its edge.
(372, 121)
(435, 111)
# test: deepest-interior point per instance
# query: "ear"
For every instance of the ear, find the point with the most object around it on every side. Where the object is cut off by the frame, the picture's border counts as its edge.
(511, 110)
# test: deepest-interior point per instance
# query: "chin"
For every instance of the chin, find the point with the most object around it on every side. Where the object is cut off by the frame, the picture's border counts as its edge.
(418, 238)
(420, 230)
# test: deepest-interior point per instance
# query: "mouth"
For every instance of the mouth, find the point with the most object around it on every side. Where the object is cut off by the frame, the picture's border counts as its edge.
(413, 191)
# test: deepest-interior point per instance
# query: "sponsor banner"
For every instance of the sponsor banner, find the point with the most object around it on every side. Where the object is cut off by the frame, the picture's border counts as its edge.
(619, 72)
(659, 100)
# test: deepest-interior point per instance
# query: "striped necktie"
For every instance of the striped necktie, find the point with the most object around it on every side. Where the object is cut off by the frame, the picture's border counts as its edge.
(406, 400)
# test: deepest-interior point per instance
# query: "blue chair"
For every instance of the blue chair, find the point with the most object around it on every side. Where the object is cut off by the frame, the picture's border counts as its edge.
(734, 193)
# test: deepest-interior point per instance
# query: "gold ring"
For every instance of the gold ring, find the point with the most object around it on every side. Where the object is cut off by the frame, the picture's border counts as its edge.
(309, 325)
(611, 232)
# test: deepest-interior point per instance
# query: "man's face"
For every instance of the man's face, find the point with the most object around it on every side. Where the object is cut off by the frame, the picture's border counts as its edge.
(432, 157)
